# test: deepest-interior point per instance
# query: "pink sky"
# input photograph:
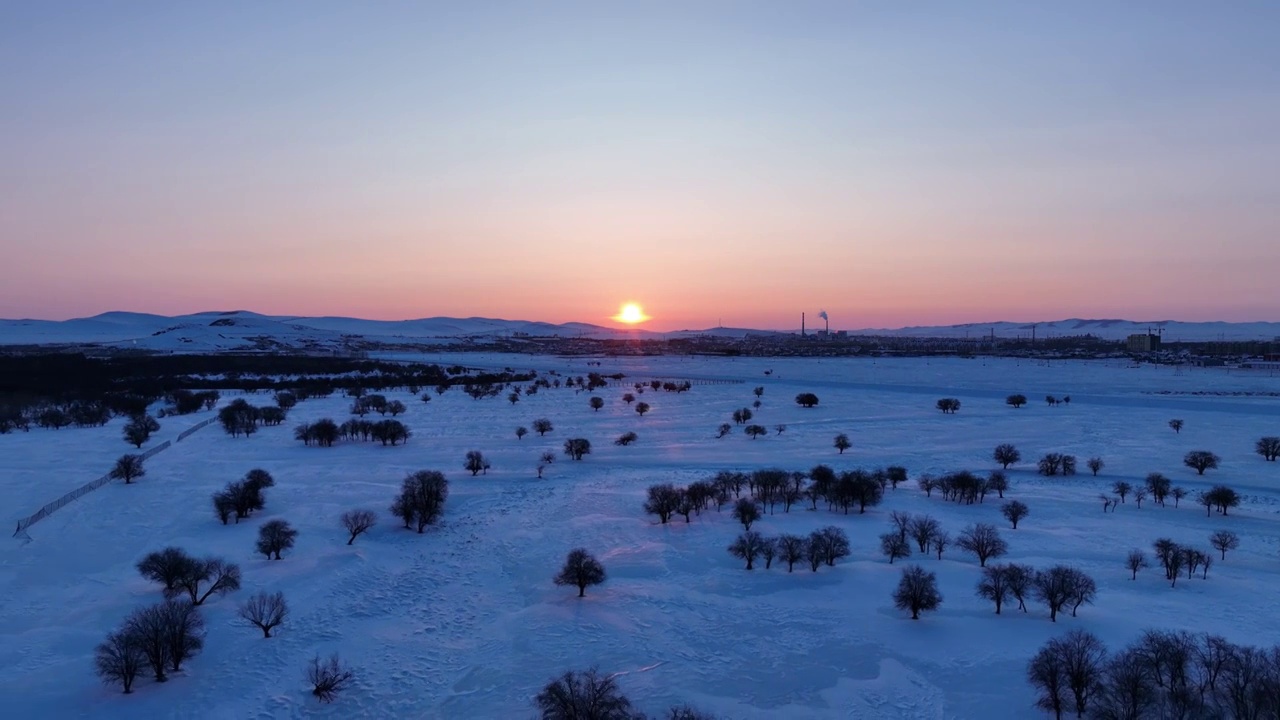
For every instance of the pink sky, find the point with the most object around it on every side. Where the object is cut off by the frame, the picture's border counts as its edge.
(975, 163)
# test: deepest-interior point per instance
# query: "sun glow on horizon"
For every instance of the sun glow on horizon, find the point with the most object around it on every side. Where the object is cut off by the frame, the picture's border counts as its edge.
(630, 313)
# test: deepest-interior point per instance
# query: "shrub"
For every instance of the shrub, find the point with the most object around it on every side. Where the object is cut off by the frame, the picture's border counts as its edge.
(328, 678)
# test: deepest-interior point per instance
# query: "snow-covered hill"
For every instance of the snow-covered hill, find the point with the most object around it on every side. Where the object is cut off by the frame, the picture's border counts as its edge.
(208, 331)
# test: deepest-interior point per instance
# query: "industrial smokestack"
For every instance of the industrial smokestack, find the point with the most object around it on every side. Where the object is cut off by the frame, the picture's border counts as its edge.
(823, 314)
(801, 324)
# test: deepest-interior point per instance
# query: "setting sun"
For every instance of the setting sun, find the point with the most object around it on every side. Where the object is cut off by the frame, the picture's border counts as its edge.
(631, 313)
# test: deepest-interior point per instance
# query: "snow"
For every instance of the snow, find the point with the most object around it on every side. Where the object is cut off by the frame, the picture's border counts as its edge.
(212, 331)
(463, 620)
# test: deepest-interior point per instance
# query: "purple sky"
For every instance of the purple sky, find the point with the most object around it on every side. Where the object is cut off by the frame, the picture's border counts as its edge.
(735, 162)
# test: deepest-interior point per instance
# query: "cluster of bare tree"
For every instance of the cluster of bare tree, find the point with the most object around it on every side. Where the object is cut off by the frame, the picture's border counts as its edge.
(1056, 463)
(139, 429)
(1057, 587)
(963, 486)
(421, 499)
(1268, 447)
(1173, 558)
(325, 432)
(240, 418)
(1164, 674)
(179, 573)
(821, 546)
(590, 695)
(159, 637)
(242, 497)
(949, 405)
(366, 404)
(807, 399)
(925, 531)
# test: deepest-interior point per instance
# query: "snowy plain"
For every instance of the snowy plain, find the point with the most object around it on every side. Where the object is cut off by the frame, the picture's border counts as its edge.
(464, 622)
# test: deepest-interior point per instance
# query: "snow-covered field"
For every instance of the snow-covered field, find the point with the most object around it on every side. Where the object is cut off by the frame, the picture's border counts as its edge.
(464, 621)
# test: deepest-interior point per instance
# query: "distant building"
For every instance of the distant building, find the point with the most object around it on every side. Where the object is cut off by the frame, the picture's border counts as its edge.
(1144, 342)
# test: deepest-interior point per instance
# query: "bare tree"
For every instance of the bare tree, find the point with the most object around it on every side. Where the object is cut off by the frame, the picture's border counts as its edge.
(1047, 674)
(724, 429)
(577, 447)
(768, 549)
(994, 585)
(642, 408)
(1136, 561)
(1224, 540)
(791, 550)
(842, 443)
(358, 522)
(807, 400)
(1176, 424)
(265, 611)
(1201, 460)
(475, 462)
(1060, 585)
(596, 403)
(780, 428)
(893, 546)
(917, 591)
(139, 430)
(1139, 494)
(421, 498)
(1014, 511)
(545, 459)
(746, 511)
(119, 659)
(169, 567)
(1006, 455)
(521, 432)
(831, 543)
(274, 537)
(223, 577)
(542, 426)
(1269, 448)
(983, 541)
(183, 631)
(1095, 465)
(940, 541)
(1020, 579)
(580, 569)
(923, 529)
(748, 546)
(1016, 401)
(329, 677)
(148, 627)
(128, 468)
(583, 696)
(662, 501)
(628, 398)
(1121, 489)
(1082, 656)
(755, 431)
(999, 482)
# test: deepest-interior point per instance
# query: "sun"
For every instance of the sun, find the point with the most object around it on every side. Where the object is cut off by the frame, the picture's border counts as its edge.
(631, 313)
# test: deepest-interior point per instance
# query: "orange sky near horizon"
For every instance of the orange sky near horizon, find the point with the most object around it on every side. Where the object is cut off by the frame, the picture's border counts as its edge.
(890, 165)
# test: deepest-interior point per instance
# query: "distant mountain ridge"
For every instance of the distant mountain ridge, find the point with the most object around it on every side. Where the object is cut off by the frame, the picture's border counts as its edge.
(228, 330)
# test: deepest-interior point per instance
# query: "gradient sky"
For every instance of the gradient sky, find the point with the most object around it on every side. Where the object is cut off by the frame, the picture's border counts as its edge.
(895, 163)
